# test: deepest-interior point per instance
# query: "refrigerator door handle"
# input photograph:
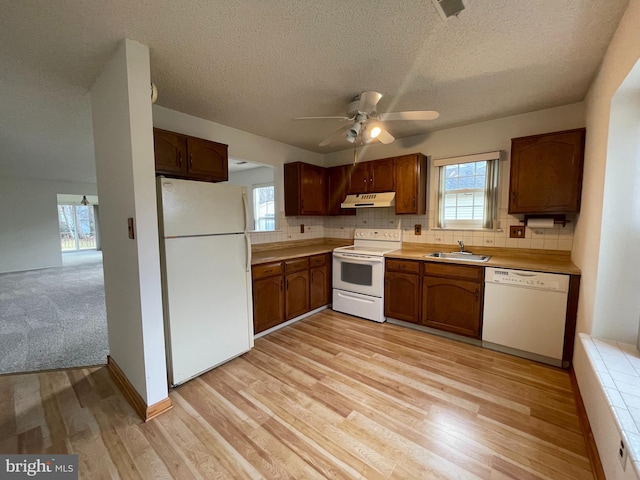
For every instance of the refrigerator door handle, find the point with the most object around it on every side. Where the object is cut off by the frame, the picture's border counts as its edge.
(247, 241)
(245, 203)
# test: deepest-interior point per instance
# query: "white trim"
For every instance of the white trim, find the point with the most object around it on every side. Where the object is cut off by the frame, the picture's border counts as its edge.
(475, 157)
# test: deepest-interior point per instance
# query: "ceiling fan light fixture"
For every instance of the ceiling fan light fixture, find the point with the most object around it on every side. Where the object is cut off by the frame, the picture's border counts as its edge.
(355, 130)
(375, 131)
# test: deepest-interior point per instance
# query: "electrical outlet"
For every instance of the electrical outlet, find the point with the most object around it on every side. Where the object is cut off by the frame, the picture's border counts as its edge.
(622, 454)
(516, 231)
(417, 229)
(302, 228)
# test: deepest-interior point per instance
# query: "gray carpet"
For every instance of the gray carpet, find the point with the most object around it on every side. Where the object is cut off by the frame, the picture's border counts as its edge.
(55, 317)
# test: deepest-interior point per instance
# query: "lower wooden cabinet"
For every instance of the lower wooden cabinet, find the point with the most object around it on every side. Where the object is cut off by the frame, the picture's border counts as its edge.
(402, 290)
(287, 289)
(438, 295)
(452, 298)
(296, 287)
(452, 305)
(268, 296)
(320, 273)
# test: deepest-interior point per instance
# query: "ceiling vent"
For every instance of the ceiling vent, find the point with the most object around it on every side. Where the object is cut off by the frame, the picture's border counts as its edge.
(448, 8)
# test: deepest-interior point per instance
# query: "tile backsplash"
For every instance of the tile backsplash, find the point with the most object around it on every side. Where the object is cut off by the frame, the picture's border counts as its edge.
(559, 238)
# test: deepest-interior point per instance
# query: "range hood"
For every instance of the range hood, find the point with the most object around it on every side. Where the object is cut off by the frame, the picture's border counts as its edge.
(368, 200)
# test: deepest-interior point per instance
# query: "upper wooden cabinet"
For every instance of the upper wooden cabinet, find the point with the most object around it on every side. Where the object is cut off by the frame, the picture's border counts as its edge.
(411, 184)
(546, 173)
(337, 182)
(305, 191)
(372, 177)
(182, 156)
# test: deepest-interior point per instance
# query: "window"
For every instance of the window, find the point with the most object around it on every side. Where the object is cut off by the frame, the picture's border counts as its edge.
(77, 227)
(467, 192)
(264, 207)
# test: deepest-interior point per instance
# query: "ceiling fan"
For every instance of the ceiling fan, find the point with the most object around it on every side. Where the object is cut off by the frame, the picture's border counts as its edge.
(367, 122)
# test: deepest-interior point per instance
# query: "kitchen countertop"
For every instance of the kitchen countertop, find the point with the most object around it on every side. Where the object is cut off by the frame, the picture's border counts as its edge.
(265, 253)
(552, 261)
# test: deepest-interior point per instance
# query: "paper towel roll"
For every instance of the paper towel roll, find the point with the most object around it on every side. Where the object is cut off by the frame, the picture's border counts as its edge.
(540, 223)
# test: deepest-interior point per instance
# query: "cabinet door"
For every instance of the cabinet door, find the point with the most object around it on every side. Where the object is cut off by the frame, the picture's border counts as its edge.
(337, 183)
(381, 176)
(452, 305)
(359, 178)
(296, 294)
(312, 190)
(411, 184)
(320, 281)
(268, 303)
(170, 152)
(402, 296)
(207, 159)
(546, 173)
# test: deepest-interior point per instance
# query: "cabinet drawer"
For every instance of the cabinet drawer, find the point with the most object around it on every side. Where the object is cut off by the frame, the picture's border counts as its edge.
(405, 266)
(296, 264)
(267, 270)
(460, 271)
(318, 260)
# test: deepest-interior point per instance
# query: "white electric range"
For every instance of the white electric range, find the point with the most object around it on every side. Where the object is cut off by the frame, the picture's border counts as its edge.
(358, 272)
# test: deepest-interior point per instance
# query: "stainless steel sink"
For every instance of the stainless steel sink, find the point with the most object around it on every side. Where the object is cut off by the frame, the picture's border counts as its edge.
(467, 256)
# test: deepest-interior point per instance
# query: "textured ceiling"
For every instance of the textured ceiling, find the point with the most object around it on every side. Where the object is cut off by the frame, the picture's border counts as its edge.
(256, 64)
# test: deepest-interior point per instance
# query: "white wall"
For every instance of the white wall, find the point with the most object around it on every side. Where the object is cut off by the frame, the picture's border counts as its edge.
(29, 237)
(479, 137)
(617, 304)
(623, 53)
(123, 139)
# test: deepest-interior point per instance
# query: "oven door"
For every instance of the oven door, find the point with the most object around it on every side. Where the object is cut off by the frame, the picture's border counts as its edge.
(358, 273)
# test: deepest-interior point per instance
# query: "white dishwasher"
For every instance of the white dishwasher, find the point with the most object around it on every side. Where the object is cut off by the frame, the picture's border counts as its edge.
(525, 313)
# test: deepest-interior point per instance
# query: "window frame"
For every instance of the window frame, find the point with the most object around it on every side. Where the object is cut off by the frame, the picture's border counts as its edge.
(490, 192)
(255, 208)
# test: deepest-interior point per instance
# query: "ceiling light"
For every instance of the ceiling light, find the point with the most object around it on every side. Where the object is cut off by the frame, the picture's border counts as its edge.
(84, 201)
(355, 130)
(375, 131)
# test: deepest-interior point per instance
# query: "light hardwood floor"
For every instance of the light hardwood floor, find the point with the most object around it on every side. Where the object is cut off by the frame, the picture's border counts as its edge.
(328, 397)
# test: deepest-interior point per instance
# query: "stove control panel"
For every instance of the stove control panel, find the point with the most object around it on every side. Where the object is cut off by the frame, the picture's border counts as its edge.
(378, 234)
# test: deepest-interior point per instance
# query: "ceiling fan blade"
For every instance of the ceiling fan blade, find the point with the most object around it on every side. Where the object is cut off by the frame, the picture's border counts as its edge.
(385, 137)
(412, 115)
(368, 101)
(322, 118)
(334, 136)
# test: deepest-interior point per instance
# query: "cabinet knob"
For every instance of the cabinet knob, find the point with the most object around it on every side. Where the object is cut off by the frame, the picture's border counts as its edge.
(191, 159)
(180, 159)
(477, 294)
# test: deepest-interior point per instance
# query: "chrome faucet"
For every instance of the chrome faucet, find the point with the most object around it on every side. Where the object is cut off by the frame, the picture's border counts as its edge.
(461, 243)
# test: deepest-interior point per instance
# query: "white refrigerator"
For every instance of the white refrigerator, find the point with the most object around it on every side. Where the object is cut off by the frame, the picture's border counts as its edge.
(206, 275)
